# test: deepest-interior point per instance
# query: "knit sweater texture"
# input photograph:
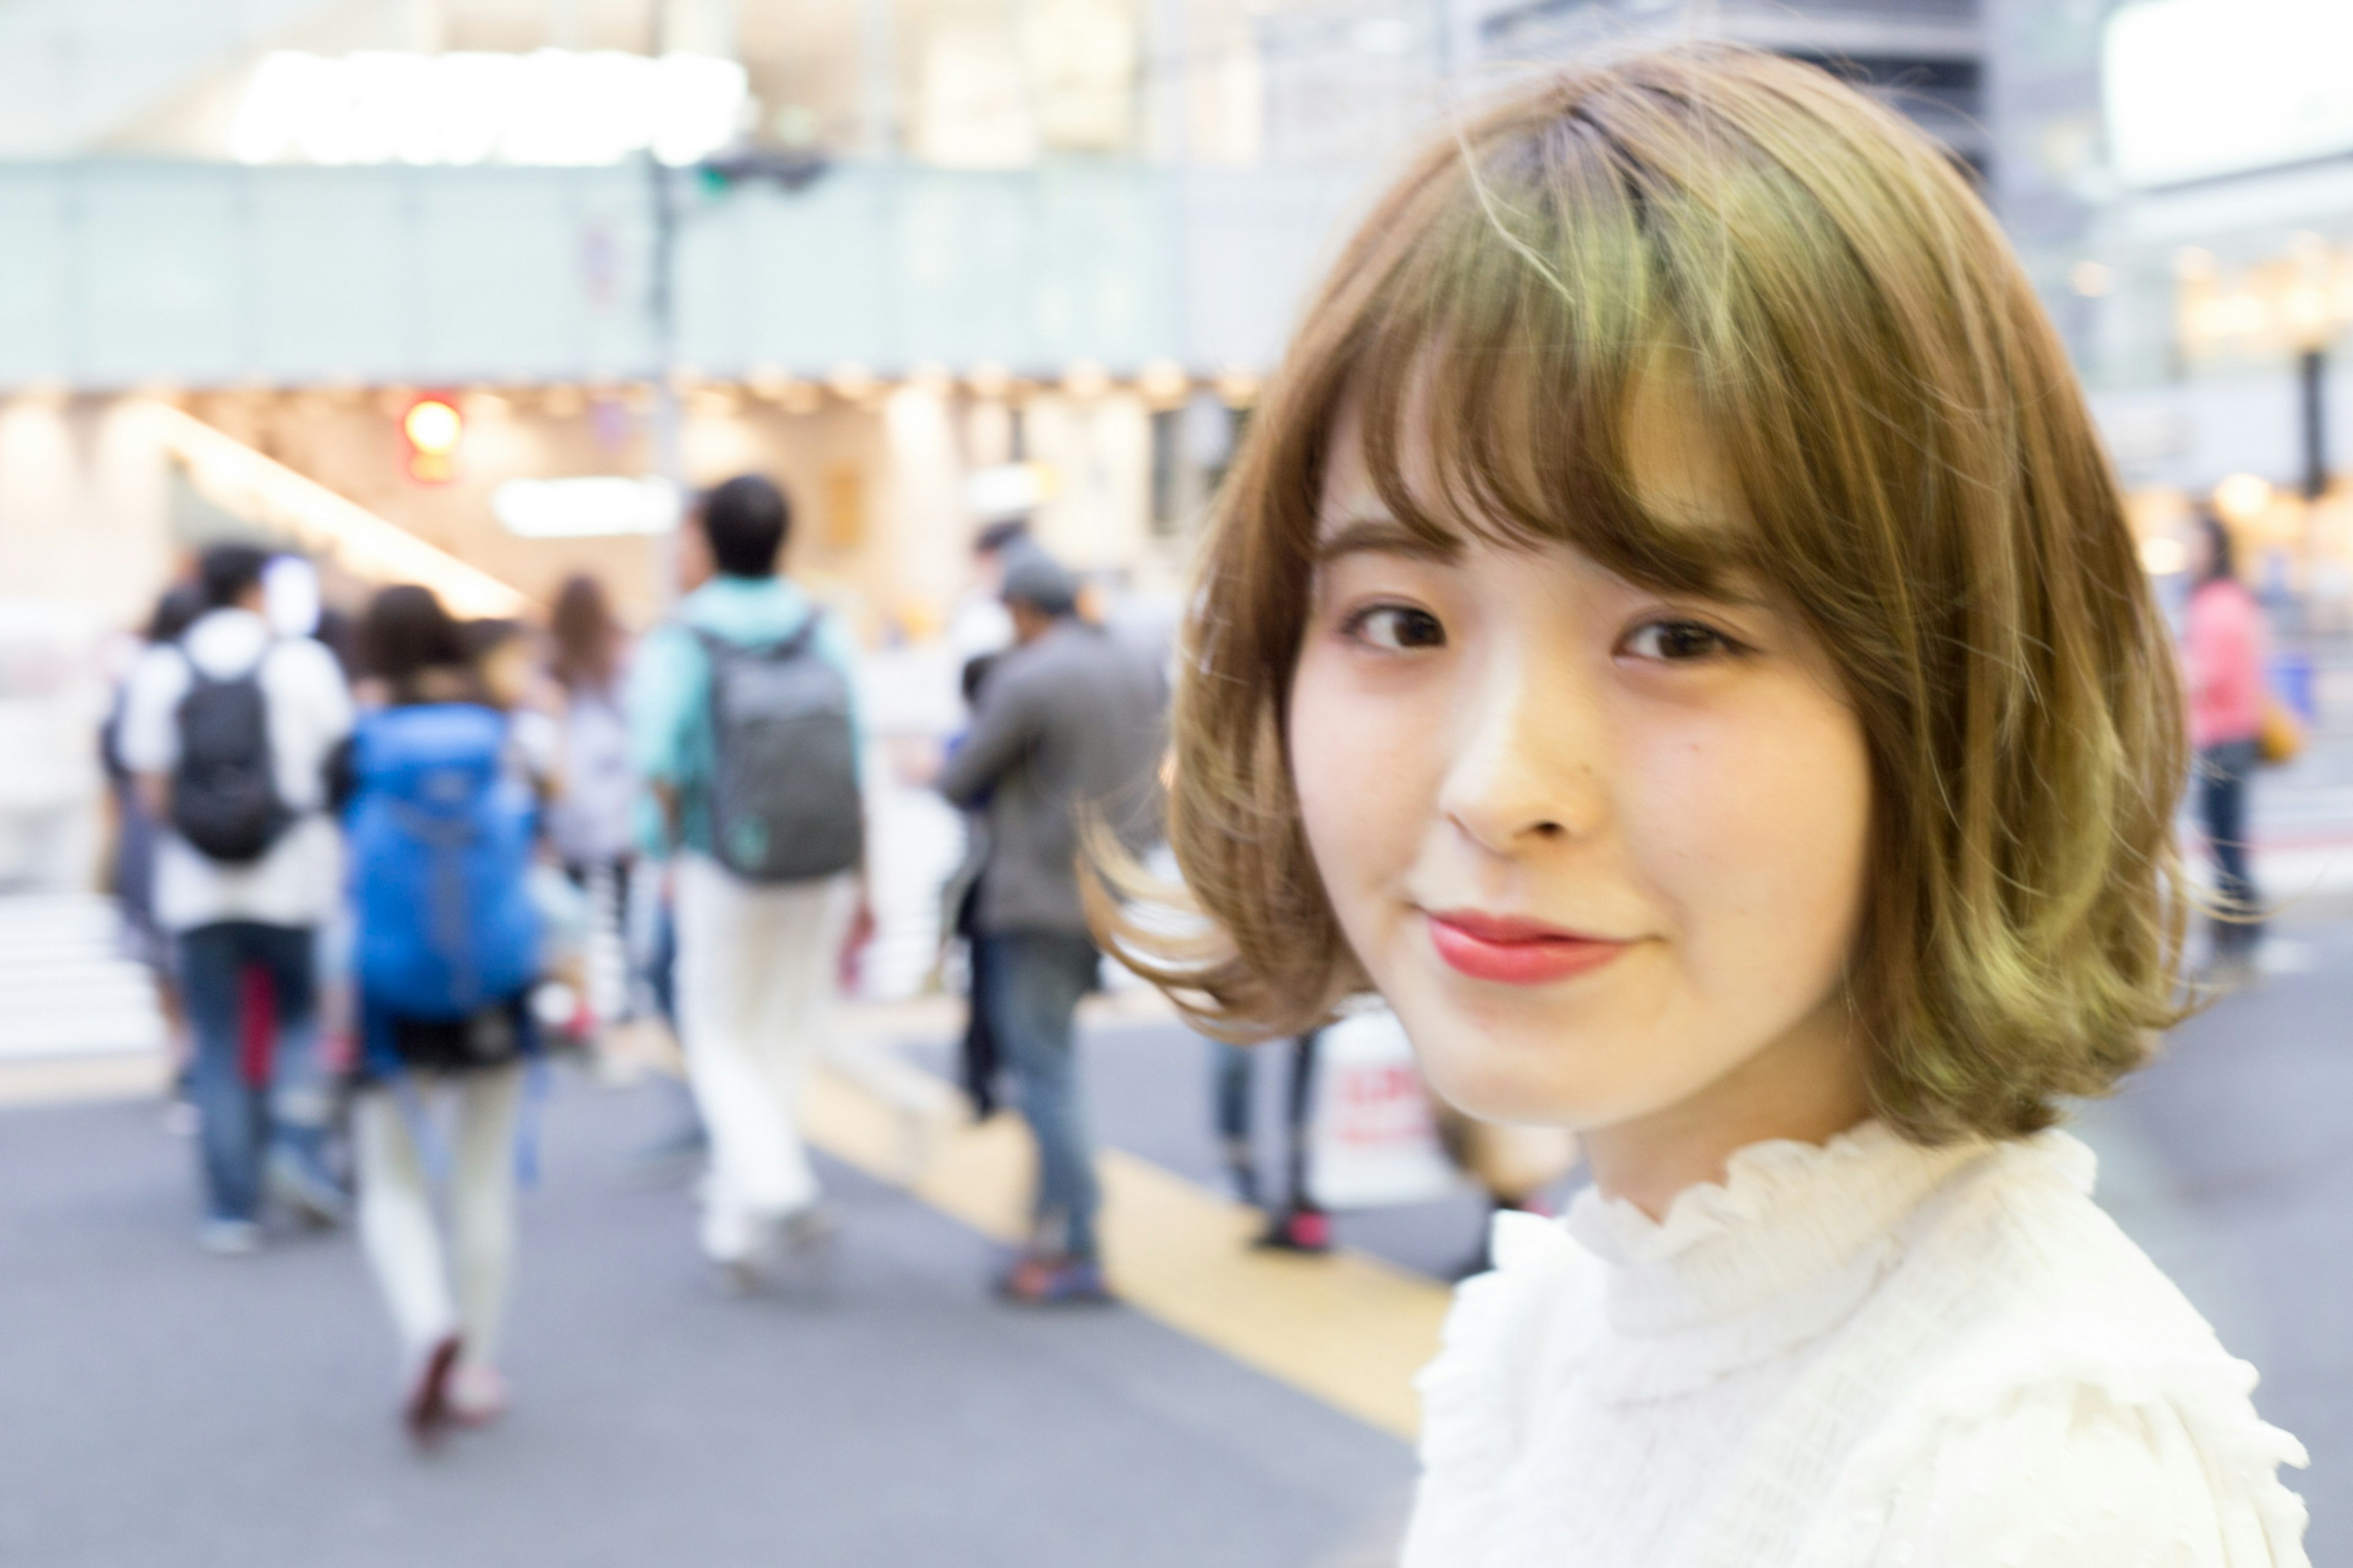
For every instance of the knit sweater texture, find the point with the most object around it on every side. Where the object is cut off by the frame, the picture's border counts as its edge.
(1861, 1354)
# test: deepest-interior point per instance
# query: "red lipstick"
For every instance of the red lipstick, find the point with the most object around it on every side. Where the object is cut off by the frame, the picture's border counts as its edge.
(1513, 951)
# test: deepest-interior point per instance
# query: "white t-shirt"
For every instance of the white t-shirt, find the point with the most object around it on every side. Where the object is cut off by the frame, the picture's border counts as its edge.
(296, 883)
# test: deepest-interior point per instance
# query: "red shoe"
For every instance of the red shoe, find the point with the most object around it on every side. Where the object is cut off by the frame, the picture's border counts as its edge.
(426, 1412)
(478, 1395)
(1054, 1283)
(1298, 1230)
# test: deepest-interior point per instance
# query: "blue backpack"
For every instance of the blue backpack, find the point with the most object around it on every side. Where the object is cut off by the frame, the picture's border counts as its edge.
(440, 858)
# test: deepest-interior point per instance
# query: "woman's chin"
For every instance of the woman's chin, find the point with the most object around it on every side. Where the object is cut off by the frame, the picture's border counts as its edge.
(1496, 1082)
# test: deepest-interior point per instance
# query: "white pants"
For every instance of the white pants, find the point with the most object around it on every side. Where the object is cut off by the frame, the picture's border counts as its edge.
(756, 977)
(398, 1227)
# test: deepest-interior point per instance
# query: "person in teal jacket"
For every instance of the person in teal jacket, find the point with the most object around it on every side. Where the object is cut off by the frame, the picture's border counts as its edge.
(756, 962)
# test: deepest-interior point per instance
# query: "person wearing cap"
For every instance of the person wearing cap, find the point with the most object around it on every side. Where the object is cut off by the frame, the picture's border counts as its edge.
(1069, 728)
(978, 626)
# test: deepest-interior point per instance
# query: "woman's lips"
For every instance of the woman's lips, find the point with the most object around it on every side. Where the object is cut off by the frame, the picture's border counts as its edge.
(1515, 951)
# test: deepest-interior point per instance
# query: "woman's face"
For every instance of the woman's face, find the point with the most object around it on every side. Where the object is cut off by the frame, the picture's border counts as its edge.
(1601, 846)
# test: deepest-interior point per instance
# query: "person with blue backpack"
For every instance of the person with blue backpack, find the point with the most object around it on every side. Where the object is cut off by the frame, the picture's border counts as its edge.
(743, 724)
(441, 819)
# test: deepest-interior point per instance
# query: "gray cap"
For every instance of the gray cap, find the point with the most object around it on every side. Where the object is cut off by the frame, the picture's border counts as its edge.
(1036, 579)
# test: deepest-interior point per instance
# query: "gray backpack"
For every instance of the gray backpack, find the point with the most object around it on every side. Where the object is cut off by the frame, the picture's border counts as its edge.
(785, 803)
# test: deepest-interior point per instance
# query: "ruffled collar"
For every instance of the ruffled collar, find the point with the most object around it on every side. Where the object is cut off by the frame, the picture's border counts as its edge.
(1782, 1250)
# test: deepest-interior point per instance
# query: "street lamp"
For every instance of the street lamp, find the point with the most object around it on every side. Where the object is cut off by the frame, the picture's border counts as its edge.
(787, 172)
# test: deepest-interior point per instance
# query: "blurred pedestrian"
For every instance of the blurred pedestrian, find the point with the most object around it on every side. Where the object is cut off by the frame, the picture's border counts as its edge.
(440, 808)
(978, 626)
(743, 721)
(1295, 1222)
(978, 1060)
(136, 833)
(228, 730)
(1673, 633)
(590, 825)
(1068, 729)
(2222, 665)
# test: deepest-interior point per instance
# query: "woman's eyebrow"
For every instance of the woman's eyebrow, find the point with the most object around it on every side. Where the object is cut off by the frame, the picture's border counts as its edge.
(1381, 536)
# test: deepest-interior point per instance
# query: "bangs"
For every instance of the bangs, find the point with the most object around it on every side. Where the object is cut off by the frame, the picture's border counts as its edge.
(1528, 345)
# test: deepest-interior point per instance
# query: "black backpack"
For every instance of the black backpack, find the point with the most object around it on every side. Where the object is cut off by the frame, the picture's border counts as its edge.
(225, 799)
(785, 802)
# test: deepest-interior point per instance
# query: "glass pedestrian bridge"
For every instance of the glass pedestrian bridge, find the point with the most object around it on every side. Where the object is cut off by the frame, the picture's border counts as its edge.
(129, 273)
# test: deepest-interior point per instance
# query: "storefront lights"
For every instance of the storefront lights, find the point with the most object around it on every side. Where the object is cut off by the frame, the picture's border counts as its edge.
(552, 107)
(2242, 497)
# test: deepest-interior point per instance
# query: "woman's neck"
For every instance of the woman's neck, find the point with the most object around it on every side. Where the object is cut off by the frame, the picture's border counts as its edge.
(1808, 1086)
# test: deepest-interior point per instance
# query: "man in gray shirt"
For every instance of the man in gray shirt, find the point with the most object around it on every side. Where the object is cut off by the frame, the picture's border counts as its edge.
(1070, 728)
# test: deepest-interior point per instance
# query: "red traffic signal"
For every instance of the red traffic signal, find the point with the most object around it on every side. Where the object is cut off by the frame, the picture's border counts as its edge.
(433, 427)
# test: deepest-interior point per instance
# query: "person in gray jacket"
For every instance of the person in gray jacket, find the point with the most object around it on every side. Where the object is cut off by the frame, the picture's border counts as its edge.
(1069, 725)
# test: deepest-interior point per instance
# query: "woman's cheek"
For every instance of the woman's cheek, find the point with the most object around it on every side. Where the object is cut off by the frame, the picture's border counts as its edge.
(1706, 802)
(1752, 826)
(1343, 756)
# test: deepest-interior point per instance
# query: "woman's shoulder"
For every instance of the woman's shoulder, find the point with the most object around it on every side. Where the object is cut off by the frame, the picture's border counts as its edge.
(1499, 1336)
(2025, 1264)
(2069, 1469)
(2065, 1401)
(1491, 1374)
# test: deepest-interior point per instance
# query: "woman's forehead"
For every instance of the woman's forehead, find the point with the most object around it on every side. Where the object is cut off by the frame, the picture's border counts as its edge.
(1678, 473)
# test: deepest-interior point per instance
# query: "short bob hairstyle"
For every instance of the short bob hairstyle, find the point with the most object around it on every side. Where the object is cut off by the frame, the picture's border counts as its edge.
(1924, 490)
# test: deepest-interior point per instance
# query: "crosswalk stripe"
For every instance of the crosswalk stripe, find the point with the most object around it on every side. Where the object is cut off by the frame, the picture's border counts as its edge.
(65, 990)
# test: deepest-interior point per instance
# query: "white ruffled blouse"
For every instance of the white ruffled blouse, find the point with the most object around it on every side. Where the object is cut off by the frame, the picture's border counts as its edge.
(1865, 1354)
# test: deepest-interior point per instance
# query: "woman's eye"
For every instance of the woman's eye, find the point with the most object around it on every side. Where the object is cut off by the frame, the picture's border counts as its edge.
(1678, 642)
(1396, 628)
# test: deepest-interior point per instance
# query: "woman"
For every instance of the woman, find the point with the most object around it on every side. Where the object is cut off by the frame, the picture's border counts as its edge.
(440, 820)
(590, 827)
(2222, 664)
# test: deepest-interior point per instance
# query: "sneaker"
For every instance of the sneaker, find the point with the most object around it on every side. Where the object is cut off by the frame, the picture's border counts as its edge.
(478, 1395)
(306, 1191)
(811, 1226)
(1036, 1282)
(230, 1237)
(1297, 1230)
(426, 1412)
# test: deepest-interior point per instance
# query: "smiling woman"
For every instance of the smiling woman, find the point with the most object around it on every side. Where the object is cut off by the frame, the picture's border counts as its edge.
(1518, 769)
(1674, 635)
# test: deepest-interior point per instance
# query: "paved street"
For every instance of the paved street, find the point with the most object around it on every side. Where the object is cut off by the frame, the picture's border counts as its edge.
(880, 1411)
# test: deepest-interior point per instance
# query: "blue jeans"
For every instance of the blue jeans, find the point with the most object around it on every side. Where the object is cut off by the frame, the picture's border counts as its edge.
(1032, 983)
(233, 1104)
(2222, 772)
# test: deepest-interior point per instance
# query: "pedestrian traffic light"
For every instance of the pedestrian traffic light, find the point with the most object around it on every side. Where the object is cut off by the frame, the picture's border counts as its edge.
(433, 427)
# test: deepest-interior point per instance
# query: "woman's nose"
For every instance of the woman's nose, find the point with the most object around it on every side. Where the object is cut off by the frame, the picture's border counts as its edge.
(1526, 768)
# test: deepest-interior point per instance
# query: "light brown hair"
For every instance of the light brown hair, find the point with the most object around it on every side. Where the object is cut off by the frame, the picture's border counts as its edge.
(1924, 490)
(586, 633)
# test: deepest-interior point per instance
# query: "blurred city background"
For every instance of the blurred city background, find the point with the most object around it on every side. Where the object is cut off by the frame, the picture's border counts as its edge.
(477, 293)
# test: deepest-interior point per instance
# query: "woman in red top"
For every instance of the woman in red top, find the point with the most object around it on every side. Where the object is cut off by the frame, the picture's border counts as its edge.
(2223, 659)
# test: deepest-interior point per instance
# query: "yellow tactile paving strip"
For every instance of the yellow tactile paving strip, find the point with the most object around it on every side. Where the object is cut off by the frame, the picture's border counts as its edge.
(1349, 1329)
